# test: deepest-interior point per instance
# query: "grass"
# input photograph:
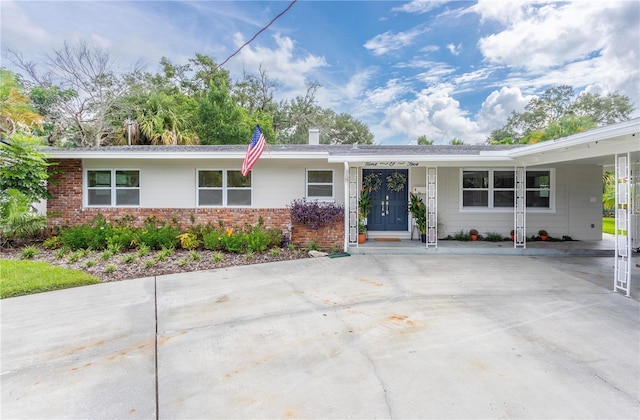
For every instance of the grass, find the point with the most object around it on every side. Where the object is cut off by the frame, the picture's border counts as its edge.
(19, 277)
(609, 225)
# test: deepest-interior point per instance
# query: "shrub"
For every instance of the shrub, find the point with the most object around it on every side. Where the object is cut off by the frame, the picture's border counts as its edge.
(87, 236)
(234, 241)
(276, 237)
(212, 239)
(493, 237)
(158, 237)
(29, 252)
(189, 240)
(122, 237)
(128, 259)
(315, 214)
(143, 250)
(462, 236)
(60, 253)
(257, 238)
(18, 220)
(54, 242)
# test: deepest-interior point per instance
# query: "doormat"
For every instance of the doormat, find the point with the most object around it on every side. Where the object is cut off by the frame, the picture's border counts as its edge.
(387, 239)
(338, 255)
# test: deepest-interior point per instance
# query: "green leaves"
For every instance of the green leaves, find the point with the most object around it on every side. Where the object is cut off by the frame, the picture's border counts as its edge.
(24, 168)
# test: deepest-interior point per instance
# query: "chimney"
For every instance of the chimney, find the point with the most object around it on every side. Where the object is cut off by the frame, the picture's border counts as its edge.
(314, 136)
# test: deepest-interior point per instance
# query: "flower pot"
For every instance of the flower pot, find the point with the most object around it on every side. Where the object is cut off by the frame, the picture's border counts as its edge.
(423, 237)
(362, 237)
(474, 237)
(543, 237)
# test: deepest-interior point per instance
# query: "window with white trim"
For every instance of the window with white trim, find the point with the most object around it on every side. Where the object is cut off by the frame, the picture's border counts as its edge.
(223, 187)
(320, 184)
(113, 187)
(494, 188)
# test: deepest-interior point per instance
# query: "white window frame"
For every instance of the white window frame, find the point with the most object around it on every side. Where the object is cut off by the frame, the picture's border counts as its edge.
(113, 188)
(332, 184)
(490, 203)
(225, 189)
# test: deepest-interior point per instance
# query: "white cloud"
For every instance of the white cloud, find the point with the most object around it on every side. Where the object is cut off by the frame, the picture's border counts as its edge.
(499, 105)
(419, 6)
(389, 41)
(281, 63)
(454, 49)
(436, 114)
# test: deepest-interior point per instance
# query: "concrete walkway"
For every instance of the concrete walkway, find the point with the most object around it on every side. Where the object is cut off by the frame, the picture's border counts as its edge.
(370, 336)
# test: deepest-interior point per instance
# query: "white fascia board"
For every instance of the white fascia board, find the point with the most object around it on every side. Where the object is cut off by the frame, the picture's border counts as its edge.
(355, 160)
(622, 129)
(178, 155)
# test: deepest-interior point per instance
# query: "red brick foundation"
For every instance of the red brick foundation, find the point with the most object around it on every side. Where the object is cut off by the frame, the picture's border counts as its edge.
(65, 208)
(327, 237)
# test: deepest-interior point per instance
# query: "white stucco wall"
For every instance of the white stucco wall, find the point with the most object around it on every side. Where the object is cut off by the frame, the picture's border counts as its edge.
(577, 205)
(172, 183)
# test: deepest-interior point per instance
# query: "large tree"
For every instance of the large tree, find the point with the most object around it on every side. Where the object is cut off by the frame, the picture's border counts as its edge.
(76, 89)
(559, 112)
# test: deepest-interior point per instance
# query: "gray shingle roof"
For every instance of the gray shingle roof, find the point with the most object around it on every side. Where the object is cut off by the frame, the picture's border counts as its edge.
(337, 150)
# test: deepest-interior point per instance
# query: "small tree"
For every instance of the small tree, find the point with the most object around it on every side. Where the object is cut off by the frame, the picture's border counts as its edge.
(23, 168)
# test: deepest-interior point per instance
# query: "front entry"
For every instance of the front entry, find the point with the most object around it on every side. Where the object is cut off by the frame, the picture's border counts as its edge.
(389, 211)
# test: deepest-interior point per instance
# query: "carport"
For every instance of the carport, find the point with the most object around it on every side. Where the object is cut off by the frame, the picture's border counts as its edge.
(613, 148)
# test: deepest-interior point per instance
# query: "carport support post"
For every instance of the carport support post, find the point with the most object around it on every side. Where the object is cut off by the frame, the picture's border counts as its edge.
(622, 265)
(520, 209)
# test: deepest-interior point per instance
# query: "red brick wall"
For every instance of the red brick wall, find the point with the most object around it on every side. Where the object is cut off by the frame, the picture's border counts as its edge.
(327, 237)
(65, 207)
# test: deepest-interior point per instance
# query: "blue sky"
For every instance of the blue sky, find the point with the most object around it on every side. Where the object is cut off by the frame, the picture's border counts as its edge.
(405, 68)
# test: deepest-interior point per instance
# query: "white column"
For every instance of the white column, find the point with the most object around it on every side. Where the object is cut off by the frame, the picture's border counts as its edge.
(520, 208)
(432, 207)
(622, 263)
(352, 191)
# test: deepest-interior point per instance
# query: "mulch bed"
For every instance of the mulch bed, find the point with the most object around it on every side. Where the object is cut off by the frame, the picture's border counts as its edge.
(115, 268)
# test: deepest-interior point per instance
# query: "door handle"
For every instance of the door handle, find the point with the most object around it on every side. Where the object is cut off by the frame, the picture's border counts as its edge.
(382, 207)
(387, 205)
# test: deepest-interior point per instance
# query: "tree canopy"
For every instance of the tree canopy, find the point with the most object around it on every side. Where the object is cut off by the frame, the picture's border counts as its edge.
(559, 112)
(85, 101)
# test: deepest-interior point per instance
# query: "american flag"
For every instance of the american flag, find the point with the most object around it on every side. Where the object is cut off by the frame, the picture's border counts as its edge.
(255, 150)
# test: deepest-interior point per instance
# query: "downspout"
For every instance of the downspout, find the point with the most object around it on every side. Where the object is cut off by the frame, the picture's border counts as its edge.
(346, 207)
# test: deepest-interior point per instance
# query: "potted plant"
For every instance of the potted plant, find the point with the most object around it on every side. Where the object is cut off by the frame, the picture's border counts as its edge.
(474, 234)
(362, 231)
(364, 205)
(419, 212)
(513, 235)
(543, 235)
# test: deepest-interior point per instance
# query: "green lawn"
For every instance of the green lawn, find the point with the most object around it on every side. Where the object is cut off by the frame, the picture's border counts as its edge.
(18, 277)
(609, 225)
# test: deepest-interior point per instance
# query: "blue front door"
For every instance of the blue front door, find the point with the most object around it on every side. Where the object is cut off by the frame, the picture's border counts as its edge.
(389, 209)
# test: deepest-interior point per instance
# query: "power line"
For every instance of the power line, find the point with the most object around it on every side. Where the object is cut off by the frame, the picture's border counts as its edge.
(256, 35)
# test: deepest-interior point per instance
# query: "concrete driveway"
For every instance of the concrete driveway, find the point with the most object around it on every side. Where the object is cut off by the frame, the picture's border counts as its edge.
(372, 336)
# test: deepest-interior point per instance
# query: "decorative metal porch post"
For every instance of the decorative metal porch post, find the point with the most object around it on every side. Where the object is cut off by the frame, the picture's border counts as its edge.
(432, 207)
(622, 266)
(352, 204)
(520, 211)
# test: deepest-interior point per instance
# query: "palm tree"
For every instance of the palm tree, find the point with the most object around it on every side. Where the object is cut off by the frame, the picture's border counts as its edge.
(15, 108)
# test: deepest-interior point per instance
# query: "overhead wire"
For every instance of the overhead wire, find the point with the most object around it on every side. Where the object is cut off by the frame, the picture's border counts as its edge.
(257, 33)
